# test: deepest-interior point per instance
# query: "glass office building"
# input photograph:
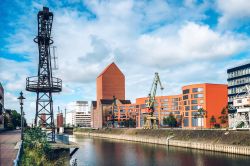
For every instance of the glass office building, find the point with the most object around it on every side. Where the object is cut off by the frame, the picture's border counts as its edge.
(238, 78)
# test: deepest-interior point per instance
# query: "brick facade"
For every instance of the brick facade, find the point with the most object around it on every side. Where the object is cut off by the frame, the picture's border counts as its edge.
(111, 82)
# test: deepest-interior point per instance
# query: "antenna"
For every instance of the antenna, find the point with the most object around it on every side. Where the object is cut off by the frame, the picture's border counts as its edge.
(55, 59)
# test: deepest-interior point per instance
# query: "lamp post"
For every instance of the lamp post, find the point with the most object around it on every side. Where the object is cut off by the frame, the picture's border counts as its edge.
(21, 98)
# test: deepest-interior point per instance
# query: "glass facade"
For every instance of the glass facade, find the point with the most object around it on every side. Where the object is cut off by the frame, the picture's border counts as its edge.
(238, 78)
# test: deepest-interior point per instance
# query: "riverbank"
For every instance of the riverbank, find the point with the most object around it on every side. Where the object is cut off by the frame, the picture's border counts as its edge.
(237, 142)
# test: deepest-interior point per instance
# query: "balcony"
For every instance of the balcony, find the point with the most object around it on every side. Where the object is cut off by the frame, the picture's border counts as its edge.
(36, 84)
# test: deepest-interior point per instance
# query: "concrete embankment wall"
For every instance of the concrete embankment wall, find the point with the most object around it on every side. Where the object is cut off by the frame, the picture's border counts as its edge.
(243, 150)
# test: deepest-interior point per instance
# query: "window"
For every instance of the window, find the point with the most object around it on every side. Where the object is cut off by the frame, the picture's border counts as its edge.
(185, 97)
(164, 100)
(194, 113)
(186, 122)
(143, 105)
(198, 95)
(239, 101)
(185, 103)
(194, 122)
(175, 99)
(187, 108)
(174, 107)
(186, 91)
(165, 108)
(165, 104)
(194, 107)
(177, 112)
(186, 114)
(197, 90)
(194, 102)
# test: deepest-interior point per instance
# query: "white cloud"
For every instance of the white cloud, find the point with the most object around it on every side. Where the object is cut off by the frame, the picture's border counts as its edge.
(233, 12)
(192, 42)
(141, 37)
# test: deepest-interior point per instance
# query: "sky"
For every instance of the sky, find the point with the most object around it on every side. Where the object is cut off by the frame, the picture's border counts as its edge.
(185, 41)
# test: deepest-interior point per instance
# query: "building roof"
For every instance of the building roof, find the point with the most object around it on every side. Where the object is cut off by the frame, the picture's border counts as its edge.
(110, 66)
(243, 66)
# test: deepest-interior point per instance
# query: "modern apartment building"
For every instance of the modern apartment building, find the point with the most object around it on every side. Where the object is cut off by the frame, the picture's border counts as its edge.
(1, 106)
(79, 114)
(237, 78)
(163, 107)
(212, 98)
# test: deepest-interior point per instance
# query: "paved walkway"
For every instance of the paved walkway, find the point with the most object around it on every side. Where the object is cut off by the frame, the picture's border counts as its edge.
(8, 142)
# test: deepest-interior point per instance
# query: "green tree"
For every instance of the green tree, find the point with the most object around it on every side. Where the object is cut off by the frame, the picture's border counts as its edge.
(224, 116)
(170, 120)
(12, 119)
(212, 121)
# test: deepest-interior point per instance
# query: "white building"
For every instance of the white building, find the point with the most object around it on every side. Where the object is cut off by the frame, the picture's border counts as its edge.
(78, 114)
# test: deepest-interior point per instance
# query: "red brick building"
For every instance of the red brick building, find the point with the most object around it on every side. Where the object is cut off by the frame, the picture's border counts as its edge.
(110, 83)
(59, 120)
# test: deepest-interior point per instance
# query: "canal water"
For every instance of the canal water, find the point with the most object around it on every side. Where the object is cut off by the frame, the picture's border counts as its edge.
(106, 152)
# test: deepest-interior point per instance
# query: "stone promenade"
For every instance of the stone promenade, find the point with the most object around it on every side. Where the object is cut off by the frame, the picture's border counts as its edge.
(8, 140)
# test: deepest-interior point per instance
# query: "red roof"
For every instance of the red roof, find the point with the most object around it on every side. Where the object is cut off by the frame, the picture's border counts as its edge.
(108, 67)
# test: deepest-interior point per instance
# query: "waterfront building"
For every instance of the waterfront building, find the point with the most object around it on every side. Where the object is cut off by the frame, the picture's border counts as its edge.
(110, 83)
(1, 106)
(212, 98)
(79, 114)
(185, 107)
(237, 77)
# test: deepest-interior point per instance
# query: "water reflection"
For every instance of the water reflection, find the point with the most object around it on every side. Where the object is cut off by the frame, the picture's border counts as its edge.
(102, 152)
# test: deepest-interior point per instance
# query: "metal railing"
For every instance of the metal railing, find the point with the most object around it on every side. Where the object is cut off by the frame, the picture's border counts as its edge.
(16, 162)
(32, 84)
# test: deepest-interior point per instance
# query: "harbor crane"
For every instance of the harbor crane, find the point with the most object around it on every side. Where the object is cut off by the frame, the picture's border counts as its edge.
(150, 118)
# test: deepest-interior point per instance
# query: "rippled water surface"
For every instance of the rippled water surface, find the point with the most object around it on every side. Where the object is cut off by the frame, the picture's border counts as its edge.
(104, 152)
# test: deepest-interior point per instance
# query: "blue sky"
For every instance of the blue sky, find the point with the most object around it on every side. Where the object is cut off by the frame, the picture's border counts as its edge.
(189, 41)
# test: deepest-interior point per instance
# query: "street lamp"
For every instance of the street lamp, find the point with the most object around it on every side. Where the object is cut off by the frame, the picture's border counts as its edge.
(21, 98)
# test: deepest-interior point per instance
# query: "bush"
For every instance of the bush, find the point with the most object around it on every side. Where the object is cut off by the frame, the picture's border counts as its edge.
(38, 152)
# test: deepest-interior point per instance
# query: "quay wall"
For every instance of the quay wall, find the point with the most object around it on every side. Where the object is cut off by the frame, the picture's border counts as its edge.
(172, 141)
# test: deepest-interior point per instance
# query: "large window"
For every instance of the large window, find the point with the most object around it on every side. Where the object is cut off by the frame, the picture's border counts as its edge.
(197, 90)
(143, 105)
(175, 99)
(195, 107)
(185, 97)
(194, 122)
(197, 95)
(186, 122)
(186, 91)
(194, 102)
(187, 108)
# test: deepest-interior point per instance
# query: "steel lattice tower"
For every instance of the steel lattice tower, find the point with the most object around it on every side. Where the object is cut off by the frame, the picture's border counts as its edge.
(44, 84)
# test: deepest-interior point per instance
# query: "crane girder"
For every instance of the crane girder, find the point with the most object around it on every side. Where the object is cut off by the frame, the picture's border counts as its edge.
(152, 93)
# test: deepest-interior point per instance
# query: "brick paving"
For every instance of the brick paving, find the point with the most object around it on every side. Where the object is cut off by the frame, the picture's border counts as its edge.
(8, 140)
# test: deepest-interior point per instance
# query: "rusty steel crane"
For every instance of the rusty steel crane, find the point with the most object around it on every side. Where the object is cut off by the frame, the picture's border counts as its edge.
(150, 119)
(44, 84)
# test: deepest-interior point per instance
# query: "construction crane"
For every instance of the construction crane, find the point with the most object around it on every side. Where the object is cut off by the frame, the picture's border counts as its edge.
(150, 119)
